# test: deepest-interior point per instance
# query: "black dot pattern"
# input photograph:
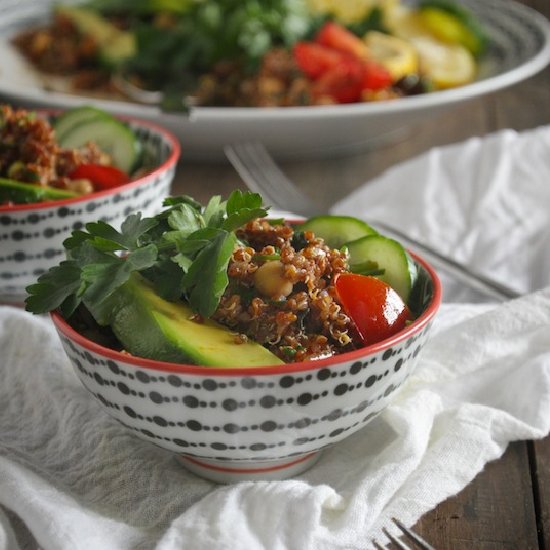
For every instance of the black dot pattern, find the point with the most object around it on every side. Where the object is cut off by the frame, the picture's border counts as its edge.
(252, 418)
(32, 241)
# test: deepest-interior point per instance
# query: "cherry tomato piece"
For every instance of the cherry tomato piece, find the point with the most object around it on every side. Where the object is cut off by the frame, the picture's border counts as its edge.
(102, 177)
(333, 35)
(376, 309)
(315, 60)
(343, 83)
(375, 76)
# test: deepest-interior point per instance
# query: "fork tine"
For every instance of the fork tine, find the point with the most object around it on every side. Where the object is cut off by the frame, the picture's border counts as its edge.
(239, 160)
(412, 535)
(260, 173)
(268, 181)
(401, 545)
(277, 176)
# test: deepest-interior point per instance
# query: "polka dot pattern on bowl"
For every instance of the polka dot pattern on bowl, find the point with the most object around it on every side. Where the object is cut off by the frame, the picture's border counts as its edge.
(247, 418)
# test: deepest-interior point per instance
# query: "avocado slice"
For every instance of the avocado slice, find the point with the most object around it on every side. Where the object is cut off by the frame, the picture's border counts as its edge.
(26, 193)
(151, 327)
(115, 45)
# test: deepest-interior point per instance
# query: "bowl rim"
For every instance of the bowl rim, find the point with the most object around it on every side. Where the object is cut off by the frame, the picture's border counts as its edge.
(415, 327)
(173, 157)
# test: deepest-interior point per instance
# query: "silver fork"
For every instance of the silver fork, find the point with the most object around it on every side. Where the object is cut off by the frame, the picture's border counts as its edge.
(261, 174)
(409, 534)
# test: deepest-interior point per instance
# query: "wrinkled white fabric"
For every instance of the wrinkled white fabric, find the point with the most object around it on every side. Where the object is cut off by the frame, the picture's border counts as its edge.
(79, 480)
(483, 202)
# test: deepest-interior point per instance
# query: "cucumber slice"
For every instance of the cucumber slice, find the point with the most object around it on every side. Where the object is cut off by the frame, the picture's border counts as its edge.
(386, 254)
(72, 118)
(337, 230)
(27, 193)
(111, 136)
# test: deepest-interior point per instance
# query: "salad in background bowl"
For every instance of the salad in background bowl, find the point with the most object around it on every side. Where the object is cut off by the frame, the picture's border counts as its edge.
(241, 343)
(517, 47)
(60, 170)
(244, 54)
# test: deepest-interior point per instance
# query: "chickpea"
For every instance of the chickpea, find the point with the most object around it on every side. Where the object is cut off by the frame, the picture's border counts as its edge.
(270, 281)
(82, 186)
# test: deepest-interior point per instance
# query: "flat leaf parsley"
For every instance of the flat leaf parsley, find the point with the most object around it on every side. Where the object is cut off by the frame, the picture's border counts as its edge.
(184, 252)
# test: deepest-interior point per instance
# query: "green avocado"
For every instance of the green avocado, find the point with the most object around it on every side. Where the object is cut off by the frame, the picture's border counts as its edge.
(115, 45)
(151, 327)
(26, 193)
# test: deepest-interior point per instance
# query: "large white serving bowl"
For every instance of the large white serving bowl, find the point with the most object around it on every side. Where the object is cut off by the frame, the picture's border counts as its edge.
(519, 48)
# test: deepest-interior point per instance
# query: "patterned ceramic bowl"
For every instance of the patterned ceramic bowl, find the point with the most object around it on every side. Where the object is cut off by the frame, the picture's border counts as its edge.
(230, 424)
(31, 235)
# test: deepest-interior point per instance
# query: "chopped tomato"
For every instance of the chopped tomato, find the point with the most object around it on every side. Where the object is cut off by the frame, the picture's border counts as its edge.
(315, 60)
(376, 309)
(342, 83)
(333, 35)
(102, 177)
(375, 76)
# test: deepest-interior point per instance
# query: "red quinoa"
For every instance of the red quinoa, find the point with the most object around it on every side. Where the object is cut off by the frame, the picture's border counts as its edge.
(30, 153)
(290, 306)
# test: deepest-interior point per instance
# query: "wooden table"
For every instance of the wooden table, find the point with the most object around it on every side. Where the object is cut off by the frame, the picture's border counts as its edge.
(508, 504)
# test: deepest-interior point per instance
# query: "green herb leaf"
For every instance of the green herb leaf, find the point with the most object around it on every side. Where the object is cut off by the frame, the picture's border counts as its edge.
(184, 251)
(207, 278)
(182, 199)
(185, 219)
(54, 287)
(214, 212)
(167, 276)
(107, 238)
(107, 274)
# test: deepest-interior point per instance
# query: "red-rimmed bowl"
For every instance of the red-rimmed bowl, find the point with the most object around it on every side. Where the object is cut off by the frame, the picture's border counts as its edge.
(231, 424)
(32, 235)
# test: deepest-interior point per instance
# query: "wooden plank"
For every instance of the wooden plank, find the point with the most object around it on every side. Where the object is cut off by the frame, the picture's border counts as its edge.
(541, 471)
(496, 511)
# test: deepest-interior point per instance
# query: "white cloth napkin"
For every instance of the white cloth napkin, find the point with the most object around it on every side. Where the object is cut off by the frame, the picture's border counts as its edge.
(484, 202)
(78, 480)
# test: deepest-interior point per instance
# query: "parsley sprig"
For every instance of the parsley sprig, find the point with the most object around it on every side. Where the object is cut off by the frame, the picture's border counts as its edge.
(184, 252)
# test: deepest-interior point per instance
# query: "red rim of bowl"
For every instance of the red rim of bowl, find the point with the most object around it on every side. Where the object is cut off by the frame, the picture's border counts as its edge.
(288, 368)
(171, 160)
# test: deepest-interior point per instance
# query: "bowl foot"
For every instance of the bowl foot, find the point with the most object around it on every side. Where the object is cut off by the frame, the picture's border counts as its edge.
(227, 471)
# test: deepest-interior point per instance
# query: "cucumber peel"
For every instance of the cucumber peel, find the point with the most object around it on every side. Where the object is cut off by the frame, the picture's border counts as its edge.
(86, 124)
(27, 193)
(70, 119)
(369, 252)
(396, 266)
(337, 230)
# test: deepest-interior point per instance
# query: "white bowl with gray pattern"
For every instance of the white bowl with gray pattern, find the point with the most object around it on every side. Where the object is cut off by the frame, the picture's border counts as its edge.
(32, 235)
(231, 424)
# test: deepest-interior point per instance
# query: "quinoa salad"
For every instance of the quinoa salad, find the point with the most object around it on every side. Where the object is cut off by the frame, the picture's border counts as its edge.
(30, 153)
(64, 155)
(223, 284)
